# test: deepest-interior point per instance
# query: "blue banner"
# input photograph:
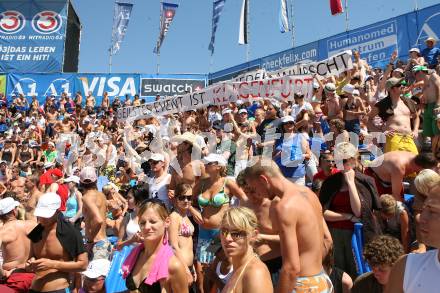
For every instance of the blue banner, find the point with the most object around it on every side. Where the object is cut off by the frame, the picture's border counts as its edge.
(116, 85)
(40, 85)
(303, 54)
(217, 8)
(120, 24)
(32, 35)
(168, 11)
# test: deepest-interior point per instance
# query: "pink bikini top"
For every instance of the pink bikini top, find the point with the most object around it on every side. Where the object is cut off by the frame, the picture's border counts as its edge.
(186, 229)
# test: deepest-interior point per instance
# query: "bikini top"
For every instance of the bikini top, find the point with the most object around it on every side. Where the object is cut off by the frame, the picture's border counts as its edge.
(217, 200)
(351, 106)
(186, 230)
(143, 287)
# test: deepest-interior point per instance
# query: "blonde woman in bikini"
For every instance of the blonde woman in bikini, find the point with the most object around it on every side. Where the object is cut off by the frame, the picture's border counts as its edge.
(238, 230)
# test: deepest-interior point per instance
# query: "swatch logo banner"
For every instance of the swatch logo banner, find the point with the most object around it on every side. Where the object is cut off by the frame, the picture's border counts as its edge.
(169, 87)
(11, 22)
(47, 22)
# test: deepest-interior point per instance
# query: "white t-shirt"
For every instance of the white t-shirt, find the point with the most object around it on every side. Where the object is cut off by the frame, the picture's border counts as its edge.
(160, 189)
(422, 271)
(296, 109)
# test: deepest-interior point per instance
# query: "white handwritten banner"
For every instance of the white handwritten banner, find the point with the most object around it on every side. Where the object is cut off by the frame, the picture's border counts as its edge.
(331, 66)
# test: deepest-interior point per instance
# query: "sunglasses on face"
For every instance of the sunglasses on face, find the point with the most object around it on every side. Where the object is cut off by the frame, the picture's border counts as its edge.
(330, 161)
(397, 86)
(235, 235)
(153, 162)
(184, 197)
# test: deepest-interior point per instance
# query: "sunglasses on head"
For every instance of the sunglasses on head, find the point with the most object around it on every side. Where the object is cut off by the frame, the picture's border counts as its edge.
(154, 200)
(184, 197)
(235, 235)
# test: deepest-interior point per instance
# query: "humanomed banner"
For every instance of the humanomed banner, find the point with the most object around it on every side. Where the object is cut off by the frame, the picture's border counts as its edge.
(3, 84)
(40, 85)
(116, 85)
(32, 35)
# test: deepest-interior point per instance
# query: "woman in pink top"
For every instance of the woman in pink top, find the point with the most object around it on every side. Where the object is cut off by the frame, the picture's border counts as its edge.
(152, 265)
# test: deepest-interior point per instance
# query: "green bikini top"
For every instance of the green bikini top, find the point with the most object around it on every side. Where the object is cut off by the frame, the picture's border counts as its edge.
(217, 200)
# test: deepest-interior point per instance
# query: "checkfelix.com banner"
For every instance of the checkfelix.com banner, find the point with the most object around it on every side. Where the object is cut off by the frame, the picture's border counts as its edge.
(32, 35)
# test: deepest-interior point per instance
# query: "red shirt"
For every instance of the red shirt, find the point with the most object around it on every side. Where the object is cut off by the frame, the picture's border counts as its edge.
(63, 192)
(341, 204)
(321, 175)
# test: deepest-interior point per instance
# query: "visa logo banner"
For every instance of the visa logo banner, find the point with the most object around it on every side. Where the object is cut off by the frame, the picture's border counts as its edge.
(116, 85)
(169, 87)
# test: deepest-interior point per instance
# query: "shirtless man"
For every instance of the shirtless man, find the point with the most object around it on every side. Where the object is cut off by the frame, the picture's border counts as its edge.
(15, 247)
(57, 248)
(51, 121)
(65, 126)
(185, 170)
(94, 212)
(431, 97)
(267, 245)
(332, 104)
(296, 216)
(33, 193)
(391, 168)
(400, 116)
(90, 102)
(17, 183)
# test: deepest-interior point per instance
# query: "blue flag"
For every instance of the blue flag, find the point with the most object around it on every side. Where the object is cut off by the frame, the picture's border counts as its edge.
(284, 17)
(216, 12)
(120, 24)
(168, 12)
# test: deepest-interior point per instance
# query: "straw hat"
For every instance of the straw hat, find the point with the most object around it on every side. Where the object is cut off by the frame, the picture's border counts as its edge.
(430, 39)
(188, 137)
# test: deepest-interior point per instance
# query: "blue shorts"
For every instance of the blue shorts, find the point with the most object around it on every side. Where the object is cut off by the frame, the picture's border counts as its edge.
(204, 241)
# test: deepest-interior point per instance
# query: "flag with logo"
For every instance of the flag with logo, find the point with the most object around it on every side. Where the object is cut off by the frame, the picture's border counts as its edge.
(284, 17)
(168, 11)
(120, 24)
(217, 9)
(336, 6)
(243, 35)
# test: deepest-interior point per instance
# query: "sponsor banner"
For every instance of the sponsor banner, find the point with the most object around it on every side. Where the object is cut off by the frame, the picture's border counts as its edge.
(40, 85)
(170, 85)
(3, 85)
(374, 42)
(282, 88)
(258, 74)
(303, 54)
(332, 66)
(32, 35)
(116, 85)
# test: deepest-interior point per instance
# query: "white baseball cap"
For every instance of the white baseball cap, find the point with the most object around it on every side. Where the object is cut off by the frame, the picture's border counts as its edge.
(356, 93)
(215, 158)
(286, 119)
(48, 165)
(7, 204)
(348, 88)
(97, 268)
(88, 175)
(47, 205)
(226, 111)
(72, 179)
(242, 111)
(157, 157)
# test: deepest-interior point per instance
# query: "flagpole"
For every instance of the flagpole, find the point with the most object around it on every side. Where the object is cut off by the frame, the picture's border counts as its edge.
(111, 41)
(346, 17)
(248, 46)
(158, 48)
(292, 23)
(416, 5)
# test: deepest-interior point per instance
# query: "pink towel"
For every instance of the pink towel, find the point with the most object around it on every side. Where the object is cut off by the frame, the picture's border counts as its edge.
(159, 269)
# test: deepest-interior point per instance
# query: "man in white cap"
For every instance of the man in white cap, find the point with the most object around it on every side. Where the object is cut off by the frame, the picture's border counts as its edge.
(15, 247)
(57, 248)
(431, 53)
(94, 276)
(332, 102)
(94, 212)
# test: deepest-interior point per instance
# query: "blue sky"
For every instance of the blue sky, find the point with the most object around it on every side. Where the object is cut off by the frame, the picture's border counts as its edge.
(185, 49)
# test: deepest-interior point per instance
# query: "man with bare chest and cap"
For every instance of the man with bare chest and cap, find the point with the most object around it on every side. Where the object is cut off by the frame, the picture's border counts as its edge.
(57, 248)
(15, 247)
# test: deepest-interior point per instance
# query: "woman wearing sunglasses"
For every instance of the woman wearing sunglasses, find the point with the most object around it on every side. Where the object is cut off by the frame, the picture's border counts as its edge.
(152, 266)
(238, 231)
(181, 229)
